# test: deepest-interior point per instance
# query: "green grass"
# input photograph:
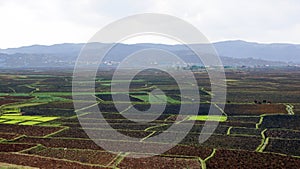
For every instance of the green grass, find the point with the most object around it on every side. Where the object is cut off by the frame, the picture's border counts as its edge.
(156, 98)
(12, 122)
(45, 119)
(152, 98)
(25, 120)
(121, 81)
(12, 114)
(14, 94)
(18, 117)
(208, 118)
(106, 84)
(47, 98)
(30, 123)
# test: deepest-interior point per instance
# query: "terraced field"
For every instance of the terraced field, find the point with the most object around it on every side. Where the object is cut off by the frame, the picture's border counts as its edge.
(259, 127)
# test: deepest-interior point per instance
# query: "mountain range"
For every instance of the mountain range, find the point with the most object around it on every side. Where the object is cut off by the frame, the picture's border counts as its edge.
(232, 53)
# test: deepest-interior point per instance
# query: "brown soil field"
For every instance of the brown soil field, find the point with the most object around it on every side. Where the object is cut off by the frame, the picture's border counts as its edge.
(254, 109)
(42, 162)
(244, 159)
(28, 130)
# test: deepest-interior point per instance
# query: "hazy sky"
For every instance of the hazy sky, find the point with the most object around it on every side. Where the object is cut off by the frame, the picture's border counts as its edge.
(27, 22)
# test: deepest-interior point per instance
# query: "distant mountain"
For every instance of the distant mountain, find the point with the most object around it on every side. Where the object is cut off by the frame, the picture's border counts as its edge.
(233, 53)
(273, 52)
(63, 49)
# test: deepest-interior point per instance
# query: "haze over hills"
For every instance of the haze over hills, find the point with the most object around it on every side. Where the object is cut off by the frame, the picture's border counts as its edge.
(232, 53)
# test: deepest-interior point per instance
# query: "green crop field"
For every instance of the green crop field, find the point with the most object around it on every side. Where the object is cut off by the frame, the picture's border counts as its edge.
(25, 120)
(208, 118)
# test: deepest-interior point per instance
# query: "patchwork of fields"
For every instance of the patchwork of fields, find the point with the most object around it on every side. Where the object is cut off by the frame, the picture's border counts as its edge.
(259, 127)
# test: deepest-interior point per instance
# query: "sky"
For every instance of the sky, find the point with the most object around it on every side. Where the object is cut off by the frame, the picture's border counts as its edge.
(46, 22)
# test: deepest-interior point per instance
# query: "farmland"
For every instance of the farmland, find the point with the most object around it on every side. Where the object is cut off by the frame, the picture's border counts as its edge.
(258, 128)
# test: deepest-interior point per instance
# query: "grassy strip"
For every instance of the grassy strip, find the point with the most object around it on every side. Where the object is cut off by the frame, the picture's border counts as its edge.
(219, 108)
(228, 131)
(168, 118)
(118, 159)
(14, 91)
(130, 106)
(203, 162)
(28, 118)
(17, 138)
(98, 99)
(150, 97)
(207, 92)
(78, 115)
(151, 134)
(186, 118)
(121, 81)
(152, 127)
(84, 108)
(39, 147)
(289, 108)
(208, 118)
(262, 145)
(59, 131)
(260, 121)
(112, 162)
(211, 155)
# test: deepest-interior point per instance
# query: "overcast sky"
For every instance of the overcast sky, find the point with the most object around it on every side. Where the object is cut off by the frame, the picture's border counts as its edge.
(46, 22)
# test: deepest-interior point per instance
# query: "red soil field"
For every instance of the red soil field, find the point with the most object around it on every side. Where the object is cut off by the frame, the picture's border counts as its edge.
(42, 162)
(159, 162)
(2, 102)
(246, 159)
(9, 147)
(126, 146)
(62, 143)
(28, 130)
(277, 133)
(84, 156)
(100, 134)
(8, 136)
(201, 152)
(254, 109)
